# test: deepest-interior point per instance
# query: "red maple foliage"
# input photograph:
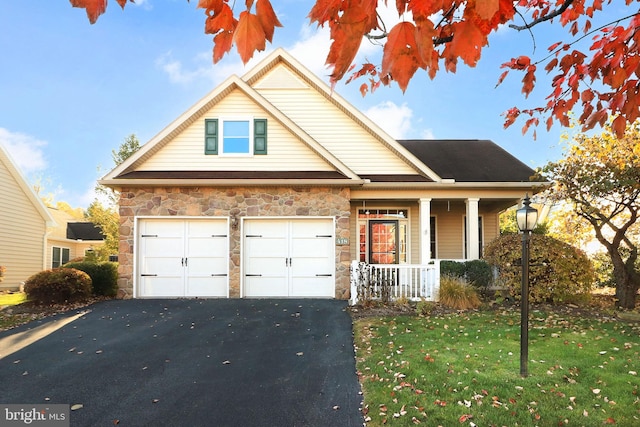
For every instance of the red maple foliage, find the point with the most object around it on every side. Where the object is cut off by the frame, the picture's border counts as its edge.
(602, 83)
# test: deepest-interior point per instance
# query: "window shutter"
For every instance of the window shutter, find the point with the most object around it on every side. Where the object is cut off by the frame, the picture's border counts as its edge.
(260, 136)
(211, 136)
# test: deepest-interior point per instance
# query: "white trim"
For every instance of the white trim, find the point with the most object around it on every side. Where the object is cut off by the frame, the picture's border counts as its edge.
(425, 229)
(221, 121)
(472, 227)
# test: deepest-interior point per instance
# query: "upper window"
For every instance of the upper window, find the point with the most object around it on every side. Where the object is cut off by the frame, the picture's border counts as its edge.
(235, 136)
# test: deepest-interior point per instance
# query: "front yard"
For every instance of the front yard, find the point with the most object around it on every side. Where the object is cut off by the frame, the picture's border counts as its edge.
(463, 369)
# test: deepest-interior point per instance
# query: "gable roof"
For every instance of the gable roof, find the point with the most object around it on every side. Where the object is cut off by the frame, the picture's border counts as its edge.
(127, 171)
(197, 111)
(434, 162)
(84, 231)
(469, 160)
(12, 168)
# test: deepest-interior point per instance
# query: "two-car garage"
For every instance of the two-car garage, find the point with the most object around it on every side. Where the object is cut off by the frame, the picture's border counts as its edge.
(280, 257)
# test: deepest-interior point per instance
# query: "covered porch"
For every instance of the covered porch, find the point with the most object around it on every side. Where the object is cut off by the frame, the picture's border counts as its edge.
(400, 242)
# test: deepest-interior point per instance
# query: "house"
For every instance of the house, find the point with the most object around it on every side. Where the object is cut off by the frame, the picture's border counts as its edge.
(71, 238)
(23, 226)
(272, 184)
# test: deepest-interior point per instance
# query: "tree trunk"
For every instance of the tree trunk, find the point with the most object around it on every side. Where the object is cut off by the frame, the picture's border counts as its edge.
(627, 283)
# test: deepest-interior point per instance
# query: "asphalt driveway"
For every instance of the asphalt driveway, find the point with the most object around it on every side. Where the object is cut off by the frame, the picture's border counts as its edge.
(193, 363)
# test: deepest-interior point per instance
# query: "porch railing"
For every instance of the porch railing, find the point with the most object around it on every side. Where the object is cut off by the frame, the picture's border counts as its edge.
(389, 282)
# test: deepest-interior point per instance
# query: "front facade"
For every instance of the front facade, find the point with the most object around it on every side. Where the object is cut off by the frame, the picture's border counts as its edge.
(271, 185)
(23, 226)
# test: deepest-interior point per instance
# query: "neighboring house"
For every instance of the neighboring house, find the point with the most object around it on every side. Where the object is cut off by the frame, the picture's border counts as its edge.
(272, 184)
(70, 239)
(23, 226)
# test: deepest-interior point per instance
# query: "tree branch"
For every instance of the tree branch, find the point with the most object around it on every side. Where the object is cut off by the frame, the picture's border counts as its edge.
(551, 15)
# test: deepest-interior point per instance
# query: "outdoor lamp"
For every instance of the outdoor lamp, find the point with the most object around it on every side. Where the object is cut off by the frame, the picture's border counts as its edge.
(526, 217)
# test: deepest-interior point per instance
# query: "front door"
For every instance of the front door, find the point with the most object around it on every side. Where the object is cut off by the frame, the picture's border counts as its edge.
(383, 242)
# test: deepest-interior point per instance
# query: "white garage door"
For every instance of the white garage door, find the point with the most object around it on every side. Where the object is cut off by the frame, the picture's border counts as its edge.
(289, 257)
(183, 258)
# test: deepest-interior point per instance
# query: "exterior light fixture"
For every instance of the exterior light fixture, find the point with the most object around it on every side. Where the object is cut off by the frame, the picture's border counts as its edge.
(526, 217)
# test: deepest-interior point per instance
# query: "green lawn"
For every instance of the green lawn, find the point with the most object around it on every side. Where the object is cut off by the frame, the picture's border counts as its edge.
(7, 319)
(464, 369)
(12, 299)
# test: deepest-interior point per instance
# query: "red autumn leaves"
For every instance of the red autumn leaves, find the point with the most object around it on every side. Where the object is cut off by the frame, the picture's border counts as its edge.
(433, 33)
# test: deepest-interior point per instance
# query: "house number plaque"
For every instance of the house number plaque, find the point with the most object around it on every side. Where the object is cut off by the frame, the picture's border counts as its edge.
(342, 241)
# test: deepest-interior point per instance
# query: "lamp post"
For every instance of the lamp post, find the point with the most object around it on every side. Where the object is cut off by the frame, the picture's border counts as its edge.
(526, 217)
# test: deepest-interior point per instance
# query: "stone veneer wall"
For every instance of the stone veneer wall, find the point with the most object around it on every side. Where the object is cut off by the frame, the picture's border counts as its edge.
(234, 203)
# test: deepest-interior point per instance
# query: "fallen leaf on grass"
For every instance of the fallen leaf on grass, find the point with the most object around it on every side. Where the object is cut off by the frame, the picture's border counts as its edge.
(464, 418)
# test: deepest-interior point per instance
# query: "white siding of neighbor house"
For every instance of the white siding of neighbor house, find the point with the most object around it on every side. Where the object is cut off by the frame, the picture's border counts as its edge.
(336, 131)
(285, 152)
(22, 231)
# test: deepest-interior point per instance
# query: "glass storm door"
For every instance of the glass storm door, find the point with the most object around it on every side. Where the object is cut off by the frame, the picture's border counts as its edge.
(383, 241)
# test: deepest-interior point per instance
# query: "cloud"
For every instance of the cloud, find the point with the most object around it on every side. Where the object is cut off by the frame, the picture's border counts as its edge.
(394, 119)
(25, 150)
(179, 74)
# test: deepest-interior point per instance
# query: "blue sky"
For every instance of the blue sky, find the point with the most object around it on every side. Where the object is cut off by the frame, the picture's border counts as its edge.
(71, 92)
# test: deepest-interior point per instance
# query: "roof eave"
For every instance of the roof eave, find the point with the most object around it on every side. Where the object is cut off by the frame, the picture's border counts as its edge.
(458, 185)
(119, 183)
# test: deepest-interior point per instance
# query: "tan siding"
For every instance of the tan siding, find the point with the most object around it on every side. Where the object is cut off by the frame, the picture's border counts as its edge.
(491, 227)
(414, 235)
(450, 230)
(22, 232)
(285, 151)
(280, 78)
(337, 132)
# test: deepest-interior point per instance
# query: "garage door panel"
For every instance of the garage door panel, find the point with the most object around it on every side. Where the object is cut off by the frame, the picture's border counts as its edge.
(305, 247)
(313, 286)
(264, 246)
(199, 266)
(207, 228)
(206, 247)
(162, 227)
(163, 246)
(275, 286)
(181, 257)
(312, 227)
(207, 287)
(295, 257)
(162, 266)
(162, 286)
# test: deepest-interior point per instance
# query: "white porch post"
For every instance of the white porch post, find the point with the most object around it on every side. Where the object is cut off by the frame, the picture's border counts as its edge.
(473, 239)
(425, 230)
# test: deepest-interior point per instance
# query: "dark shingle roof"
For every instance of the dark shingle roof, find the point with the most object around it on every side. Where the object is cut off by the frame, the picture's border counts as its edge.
(84, 231)
(468, 160)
